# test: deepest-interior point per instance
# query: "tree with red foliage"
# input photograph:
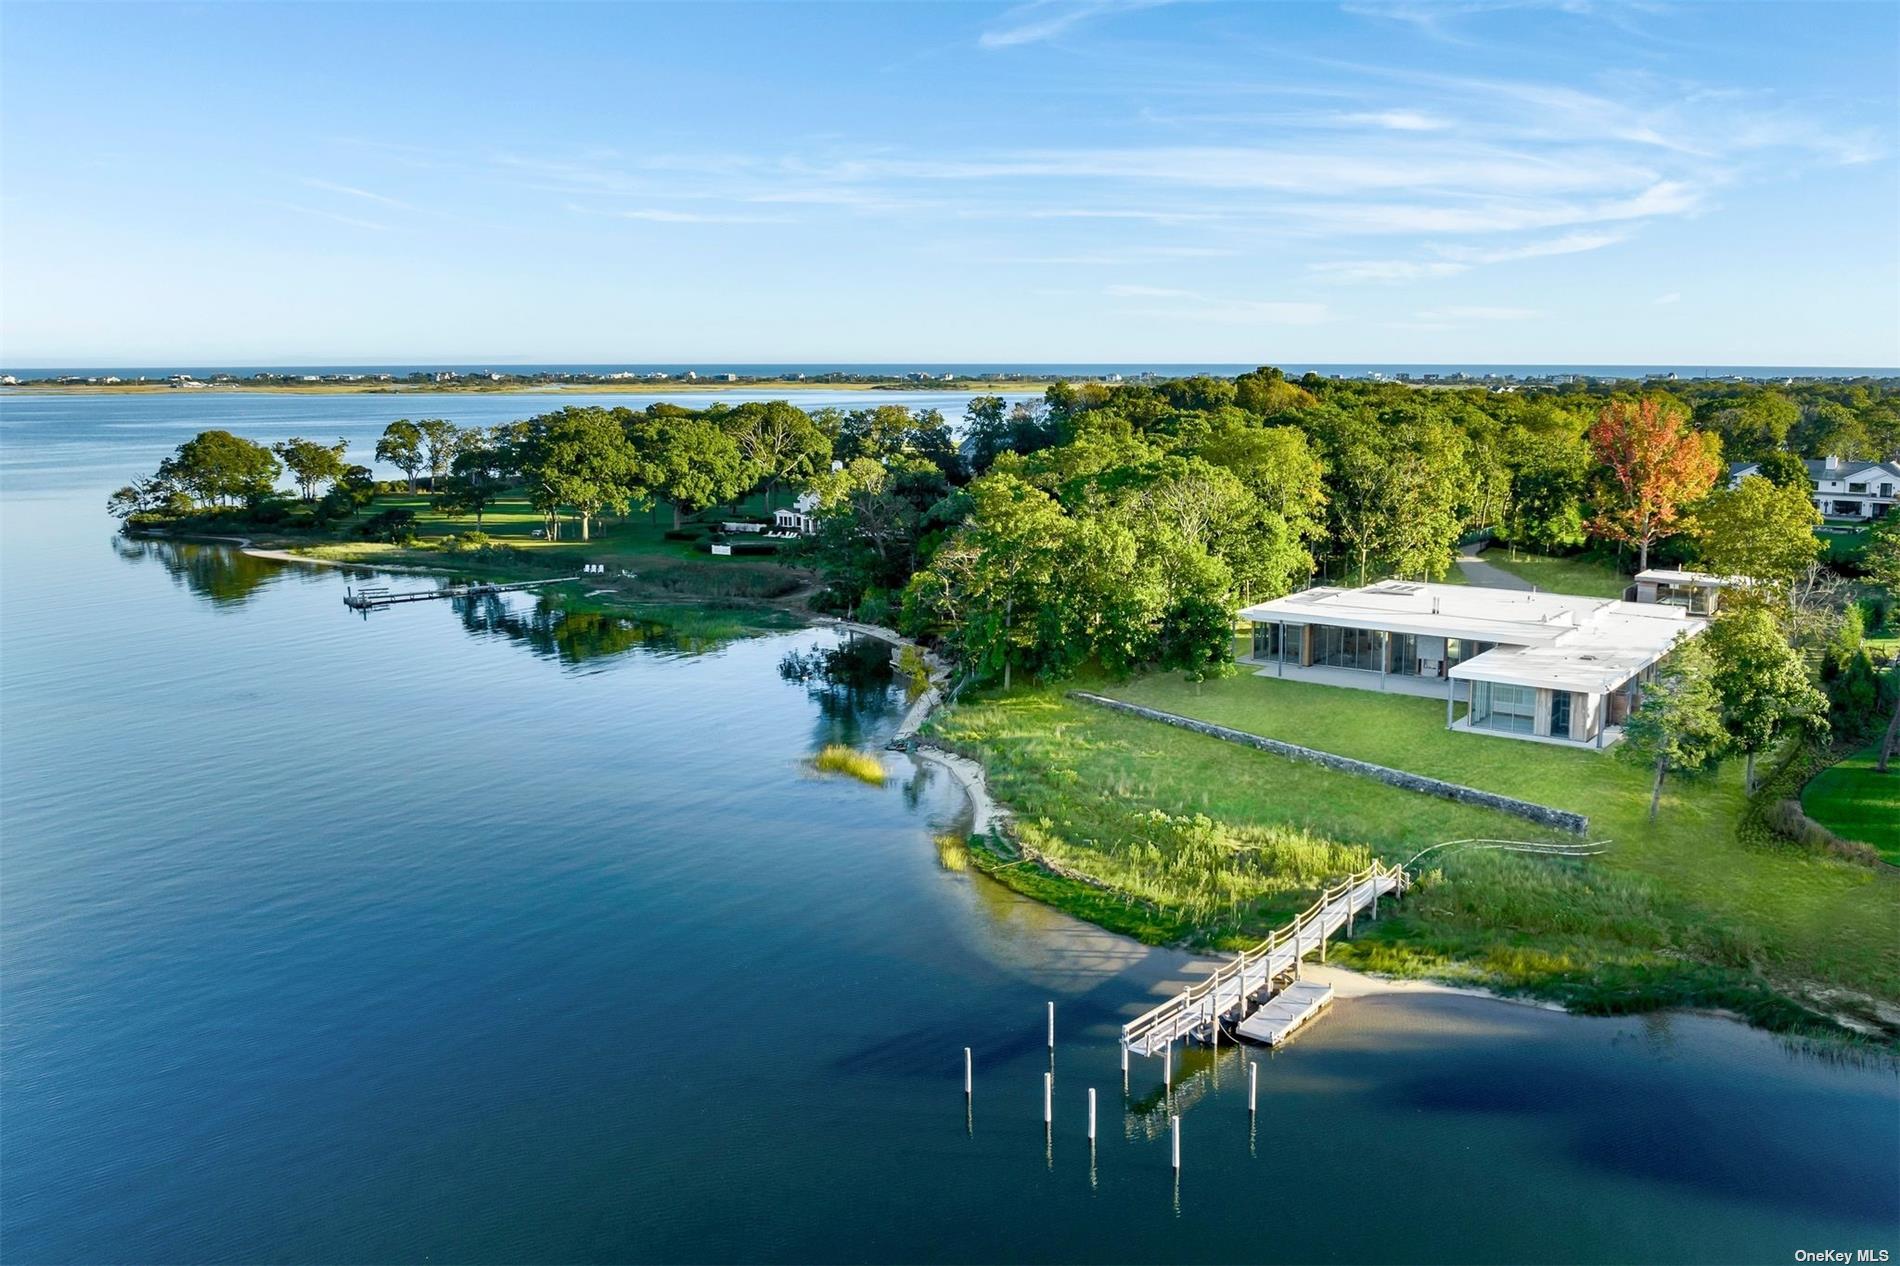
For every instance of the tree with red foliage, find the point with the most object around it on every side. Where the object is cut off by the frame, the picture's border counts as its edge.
(1653, 464)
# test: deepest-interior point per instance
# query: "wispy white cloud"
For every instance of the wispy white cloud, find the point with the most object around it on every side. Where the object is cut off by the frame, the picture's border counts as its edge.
(1357, 270)
(1046, 19)
(663, 215)
(1397, 120)
(351, 191)
(1674, 296)
(1568, 244)
(334, 217)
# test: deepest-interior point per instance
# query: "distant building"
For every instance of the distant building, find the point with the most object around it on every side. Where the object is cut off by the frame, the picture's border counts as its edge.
(1840, 488)
(801, 517)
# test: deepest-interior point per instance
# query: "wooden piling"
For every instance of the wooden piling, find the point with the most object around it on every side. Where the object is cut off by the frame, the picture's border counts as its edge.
(1048, 1098)
(1091, 1114)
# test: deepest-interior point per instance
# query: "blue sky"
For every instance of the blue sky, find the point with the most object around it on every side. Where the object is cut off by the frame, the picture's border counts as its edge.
(1464, 181)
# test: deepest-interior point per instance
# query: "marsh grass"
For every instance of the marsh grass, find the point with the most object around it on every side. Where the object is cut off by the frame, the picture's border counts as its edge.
(836, 758)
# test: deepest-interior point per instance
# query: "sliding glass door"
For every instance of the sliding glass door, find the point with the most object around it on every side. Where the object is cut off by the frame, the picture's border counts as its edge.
(1346, 648)
(1495, 706)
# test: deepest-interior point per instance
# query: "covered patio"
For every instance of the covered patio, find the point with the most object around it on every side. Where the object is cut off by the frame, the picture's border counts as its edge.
(1351, 678)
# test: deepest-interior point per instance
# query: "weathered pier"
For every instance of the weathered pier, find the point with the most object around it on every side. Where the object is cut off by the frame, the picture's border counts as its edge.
(1228, 994)
(376, 597)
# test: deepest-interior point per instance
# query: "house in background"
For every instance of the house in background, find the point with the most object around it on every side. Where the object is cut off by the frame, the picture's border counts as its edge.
(801, 517)
(1842, 489)
(1548, 667)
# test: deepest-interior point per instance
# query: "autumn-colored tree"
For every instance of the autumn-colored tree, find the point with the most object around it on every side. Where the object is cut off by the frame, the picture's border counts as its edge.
(1653, 464)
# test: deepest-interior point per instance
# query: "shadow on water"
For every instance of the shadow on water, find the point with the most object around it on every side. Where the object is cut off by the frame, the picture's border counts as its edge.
(222, 575)
(1748, 1147)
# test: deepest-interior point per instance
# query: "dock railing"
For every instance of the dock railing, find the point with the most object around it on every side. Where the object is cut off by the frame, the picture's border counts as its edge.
(1200, 1006)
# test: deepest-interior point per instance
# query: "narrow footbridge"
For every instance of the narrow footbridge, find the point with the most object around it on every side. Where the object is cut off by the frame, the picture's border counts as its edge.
(375, 598)
(1229, 992)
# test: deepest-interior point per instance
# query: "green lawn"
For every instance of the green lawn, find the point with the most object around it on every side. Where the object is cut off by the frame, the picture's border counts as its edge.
(1591, 577)
(1795, 915)
(635, 543)
(1676, 913)
(1856, 803)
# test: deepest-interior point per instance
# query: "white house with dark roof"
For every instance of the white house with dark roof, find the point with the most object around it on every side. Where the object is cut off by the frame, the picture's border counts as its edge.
(1842, 489)
(1548, 667)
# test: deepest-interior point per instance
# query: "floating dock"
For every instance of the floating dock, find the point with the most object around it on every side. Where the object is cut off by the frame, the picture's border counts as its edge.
(373, 599)
(1283, 1015)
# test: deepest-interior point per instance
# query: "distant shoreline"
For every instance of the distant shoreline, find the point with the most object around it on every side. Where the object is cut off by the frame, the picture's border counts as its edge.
(671, 387)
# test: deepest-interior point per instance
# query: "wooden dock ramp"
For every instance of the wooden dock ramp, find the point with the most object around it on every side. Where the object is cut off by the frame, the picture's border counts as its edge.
(1270, 968)
(1278, 1019)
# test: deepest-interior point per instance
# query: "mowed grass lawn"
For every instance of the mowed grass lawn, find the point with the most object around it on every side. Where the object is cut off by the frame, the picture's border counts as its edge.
(1589, 577)
(636, 543)
(1856, 803)
(1796, 916)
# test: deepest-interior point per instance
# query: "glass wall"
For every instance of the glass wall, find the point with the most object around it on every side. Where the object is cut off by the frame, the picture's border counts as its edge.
(1405, 654)
(1495, 706)
(1266, 641)
(1346, 648)
(1457, 650)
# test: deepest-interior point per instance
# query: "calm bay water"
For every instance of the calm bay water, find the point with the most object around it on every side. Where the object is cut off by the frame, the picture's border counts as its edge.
(478, 935)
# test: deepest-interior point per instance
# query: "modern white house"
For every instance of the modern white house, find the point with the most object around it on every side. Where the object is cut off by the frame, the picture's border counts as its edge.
(1842, 489)
(1548, 667)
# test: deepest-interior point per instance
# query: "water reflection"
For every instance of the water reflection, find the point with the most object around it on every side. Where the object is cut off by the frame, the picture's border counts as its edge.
(552, 630)
(223, 575)
(852, 684)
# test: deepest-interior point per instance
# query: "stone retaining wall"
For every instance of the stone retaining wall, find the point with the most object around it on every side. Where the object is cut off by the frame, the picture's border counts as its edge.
(1543, 815)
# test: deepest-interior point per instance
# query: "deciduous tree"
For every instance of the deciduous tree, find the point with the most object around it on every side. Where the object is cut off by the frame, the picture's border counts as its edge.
(1760, 530)
(1764, 683)
(1677, 729)
(1653, 465)
(402, 447)
(311, 463)
(221, 468)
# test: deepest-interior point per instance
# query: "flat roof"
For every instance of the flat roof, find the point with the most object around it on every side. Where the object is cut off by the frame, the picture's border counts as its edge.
(1559, 641)
(1663, 575)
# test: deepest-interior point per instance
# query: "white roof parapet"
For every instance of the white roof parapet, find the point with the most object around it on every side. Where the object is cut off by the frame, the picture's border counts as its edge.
(1666, 576)
(1551, 640)
(1511, 616)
